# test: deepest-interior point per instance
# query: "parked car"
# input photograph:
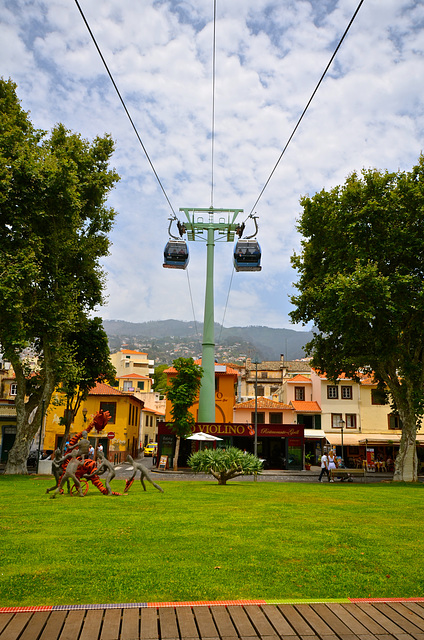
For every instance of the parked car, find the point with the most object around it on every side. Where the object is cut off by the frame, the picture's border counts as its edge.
(150, 448)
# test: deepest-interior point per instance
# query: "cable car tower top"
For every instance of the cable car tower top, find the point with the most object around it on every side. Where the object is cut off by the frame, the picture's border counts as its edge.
(209, 225)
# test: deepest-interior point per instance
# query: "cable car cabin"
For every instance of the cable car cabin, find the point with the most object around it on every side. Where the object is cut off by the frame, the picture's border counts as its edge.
(175, 255)
(247, 255)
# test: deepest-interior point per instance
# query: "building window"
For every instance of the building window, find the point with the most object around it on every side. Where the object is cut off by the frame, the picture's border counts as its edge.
(13, 389)
(264, 374)
(140, 385)
(378, 396)
(332, 392)
(128, 385)
(127, 364)
(346, 393)
(394, 421)
(350, 421)
(299, 393)
(275, 418)
(261, 417)
(111, 407)
(261, 390)
(335, 420)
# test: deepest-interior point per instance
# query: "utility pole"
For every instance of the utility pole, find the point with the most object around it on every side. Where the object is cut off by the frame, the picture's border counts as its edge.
(209, 225)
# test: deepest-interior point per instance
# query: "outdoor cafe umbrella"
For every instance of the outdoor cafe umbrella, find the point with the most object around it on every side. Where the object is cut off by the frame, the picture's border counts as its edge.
(203, 437)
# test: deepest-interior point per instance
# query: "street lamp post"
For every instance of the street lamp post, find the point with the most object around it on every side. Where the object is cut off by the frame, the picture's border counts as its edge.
(255, 450)
(342, 426)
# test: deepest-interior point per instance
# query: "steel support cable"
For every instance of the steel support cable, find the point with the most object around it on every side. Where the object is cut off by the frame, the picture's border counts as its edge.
(308, 104)
(192, 308)
(125, 107)
(213, 101)
(226, 305)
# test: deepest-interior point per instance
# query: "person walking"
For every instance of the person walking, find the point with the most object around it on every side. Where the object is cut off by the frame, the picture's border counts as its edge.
(324, 466)
(332, 464)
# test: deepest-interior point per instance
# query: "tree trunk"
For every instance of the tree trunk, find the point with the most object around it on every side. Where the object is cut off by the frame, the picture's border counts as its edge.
(177, 452)
(28, 414)
(406, 466)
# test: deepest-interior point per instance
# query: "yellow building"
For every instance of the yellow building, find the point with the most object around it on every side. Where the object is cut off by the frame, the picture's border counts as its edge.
(121, 435)
(133, 370)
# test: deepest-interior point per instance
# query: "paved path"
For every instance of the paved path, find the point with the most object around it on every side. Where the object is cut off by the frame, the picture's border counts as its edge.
(347, 620)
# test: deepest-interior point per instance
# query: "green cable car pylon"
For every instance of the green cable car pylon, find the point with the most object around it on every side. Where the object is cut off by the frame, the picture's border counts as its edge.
(211, 225)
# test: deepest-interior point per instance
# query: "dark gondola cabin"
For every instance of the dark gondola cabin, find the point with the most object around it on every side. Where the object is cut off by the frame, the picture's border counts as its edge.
(175, 255)
(247, 255)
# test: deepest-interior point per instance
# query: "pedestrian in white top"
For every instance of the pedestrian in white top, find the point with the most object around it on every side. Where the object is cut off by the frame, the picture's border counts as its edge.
(324, 466)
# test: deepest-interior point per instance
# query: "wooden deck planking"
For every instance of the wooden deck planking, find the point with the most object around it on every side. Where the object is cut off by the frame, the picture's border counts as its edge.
(5, 618)
(35, 625)
(241, 621)
(111, 626)
(223, 622)
(73, 625)
(15, 626)
(321, 621)
(261, 623)
(53, 625)
(92, 624)
(186, 623)
(355, 626)
(205, 623)
(168, 624)
(279, 622)
(409, 614)
(403, 623)
(416, 607)
(149, 629)
(320, 627)
(130, 627)
(387, 624)
(369, 623)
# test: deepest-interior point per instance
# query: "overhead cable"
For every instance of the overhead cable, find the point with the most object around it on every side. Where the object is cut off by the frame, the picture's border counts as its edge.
(125, 107)
(307, 106)
(213, 100)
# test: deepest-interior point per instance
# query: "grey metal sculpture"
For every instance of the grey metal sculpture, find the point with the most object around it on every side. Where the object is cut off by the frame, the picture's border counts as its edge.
(71, 469)
(56, 469)
(104, 466)
(144, 474)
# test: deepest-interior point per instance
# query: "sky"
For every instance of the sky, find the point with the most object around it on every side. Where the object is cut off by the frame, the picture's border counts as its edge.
(270, 55)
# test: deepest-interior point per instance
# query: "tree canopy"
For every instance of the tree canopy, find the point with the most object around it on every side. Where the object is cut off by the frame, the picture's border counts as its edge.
(182, 392)
(362, 285)
(54, 226)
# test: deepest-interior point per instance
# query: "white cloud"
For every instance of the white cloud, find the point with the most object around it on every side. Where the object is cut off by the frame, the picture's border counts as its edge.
(270, 55)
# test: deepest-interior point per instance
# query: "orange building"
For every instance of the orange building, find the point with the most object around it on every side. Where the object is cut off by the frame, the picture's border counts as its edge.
(225, 393)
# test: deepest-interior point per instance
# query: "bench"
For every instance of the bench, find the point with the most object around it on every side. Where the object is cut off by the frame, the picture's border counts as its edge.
(347, 474)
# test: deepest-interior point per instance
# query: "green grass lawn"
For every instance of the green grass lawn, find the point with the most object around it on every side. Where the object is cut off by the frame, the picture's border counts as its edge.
(202, 541)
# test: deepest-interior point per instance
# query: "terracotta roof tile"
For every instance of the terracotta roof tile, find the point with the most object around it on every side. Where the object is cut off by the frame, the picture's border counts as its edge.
(305, 406)
(299, 378)
(103, 389)
(139, 353)
(133, 376)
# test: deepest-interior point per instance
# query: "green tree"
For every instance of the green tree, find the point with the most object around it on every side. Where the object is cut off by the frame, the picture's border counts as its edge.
(362, 285)
(54, 227)
(182, 392)
(160, 379)
(225, 464)
(89, 362)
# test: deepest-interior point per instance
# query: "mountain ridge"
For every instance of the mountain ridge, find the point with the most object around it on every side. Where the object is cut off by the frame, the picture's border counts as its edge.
(166, 340)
